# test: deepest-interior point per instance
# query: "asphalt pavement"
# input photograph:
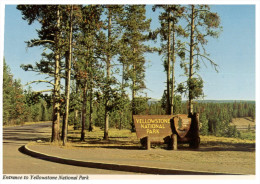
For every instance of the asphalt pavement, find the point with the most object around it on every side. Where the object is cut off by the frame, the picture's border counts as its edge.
(15, 162)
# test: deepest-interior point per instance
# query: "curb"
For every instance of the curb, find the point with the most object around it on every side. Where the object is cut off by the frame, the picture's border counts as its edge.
(118, 167)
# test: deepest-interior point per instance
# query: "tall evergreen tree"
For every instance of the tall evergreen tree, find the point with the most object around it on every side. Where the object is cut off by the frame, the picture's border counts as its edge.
(49, 36)
(202, 24)
(88, 69)
(110, 50)
(7, 93)
(169, 19)
(210, 22)
(136, 28)
(14, 108)
(68, 75)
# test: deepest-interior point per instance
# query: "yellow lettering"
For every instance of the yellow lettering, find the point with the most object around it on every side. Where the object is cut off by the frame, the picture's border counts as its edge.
(155, 131)
(152, 126)
(151, 121)
(149, 131)
(152, 131)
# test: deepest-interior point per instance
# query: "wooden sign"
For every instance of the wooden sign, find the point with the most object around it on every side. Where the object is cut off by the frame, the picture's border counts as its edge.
(156, 126)
(167, 129)
(160, 126)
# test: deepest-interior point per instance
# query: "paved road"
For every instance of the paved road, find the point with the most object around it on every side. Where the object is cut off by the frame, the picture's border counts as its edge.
(15, 162)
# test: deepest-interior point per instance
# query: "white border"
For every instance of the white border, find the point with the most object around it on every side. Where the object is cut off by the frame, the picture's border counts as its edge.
(130, 2)
(2, 13)
(257, 39)
(188, 179)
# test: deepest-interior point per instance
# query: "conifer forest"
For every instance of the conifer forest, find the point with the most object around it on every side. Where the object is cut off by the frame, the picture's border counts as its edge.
(94, 59)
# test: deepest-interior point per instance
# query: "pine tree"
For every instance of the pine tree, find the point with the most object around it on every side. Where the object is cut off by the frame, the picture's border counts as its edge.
(202, 24)
(87, 68)
(169, 19)
(136, 28)
(7, 93)
(49, 36)
(204, 124)
(110, 47)
(68, 76)
(14, 106)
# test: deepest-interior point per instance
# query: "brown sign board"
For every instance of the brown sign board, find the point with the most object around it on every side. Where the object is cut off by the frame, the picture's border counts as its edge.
(160, 126)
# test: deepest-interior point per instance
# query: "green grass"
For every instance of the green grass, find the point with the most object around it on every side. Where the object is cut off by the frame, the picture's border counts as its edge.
(224, 140)
(247, 135)
(26, 123)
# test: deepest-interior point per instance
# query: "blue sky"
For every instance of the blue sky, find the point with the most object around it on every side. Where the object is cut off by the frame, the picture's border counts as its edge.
(233, 51)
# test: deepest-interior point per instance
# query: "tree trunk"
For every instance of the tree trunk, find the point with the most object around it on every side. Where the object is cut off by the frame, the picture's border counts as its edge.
(56, 96)
(63, 125)
(76, 117)
(67, 87)
(108, 77)
(168, 101)
(133, 101)
(190, 103)
(173, 65)
(106, 125)
(121, 119)
(76, 110)
(83, 115)
(90, 128)
(122, 88)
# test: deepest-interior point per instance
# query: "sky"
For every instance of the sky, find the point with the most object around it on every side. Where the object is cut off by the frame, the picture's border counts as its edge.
(233, 51)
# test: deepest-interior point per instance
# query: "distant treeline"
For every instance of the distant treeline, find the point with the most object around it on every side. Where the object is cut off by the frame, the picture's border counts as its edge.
(216, 118)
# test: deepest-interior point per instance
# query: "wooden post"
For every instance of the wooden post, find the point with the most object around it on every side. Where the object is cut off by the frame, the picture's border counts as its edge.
(174, 137)
(173, 142)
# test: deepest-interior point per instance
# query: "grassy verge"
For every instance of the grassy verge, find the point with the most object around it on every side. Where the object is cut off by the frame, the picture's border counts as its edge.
(212, 139)
(27, 123)
(247, 135)
(128, 140)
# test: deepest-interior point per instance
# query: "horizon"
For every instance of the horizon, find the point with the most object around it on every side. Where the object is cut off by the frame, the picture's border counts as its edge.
(184, 100)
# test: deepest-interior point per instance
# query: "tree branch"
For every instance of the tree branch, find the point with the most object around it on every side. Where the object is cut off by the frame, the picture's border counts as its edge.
(196, 11)
(38, 81)
(42, 91)
(211, 61)
(38, 42)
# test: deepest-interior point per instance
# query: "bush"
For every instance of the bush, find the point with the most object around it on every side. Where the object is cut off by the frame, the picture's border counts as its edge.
(204, 129)
(233, 132)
